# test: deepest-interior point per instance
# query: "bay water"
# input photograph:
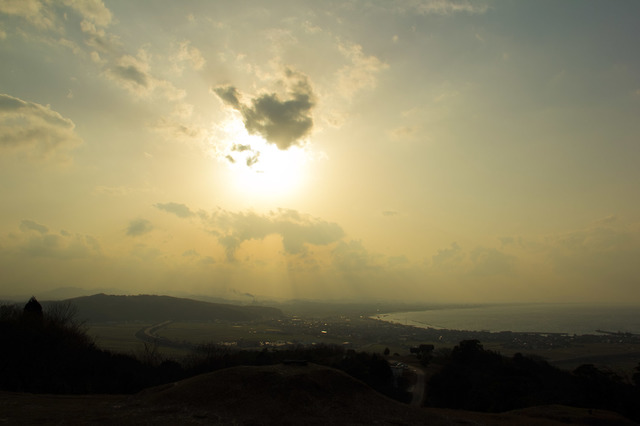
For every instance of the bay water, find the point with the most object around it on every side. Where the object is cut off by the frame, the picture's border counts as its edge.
(542, 318)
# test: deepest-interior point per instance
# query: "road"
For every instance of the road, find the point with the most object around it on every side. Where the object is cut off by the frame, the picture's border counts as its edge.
(418, 389)
(148, 334)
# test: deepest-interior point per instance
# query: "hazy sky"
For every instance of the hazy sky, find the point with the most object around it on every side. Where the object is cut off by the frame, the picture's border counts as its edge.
(419, 150)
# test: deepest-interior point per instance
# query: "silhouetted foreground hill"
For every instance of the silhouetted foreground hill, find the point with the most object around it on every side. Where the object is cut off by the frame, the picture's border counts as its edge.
(103, 307)
(269, 395)
(473, 378)
(283, 394)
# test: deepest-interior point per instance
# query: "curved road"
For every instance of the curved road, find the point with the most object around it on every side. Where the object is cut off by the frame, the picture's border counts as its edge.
(418, 389)
(148, 334)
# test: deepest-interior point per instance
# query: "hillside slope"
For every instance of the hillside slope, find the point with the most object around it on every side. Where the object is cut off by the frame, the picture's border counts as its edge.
(278, 394)
(269, 395)
(103, 307)
(318, 395)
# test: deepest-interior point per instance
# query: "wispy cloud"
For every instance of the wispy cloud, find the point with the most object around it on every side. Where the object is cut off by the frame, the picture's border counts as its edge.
(180, 210)
(134, 74)
(139, 227)
(186, 53)
(30, 225)
(34, 129)
(32, 11)
(360, 73)
(93, 11)
(441, 7)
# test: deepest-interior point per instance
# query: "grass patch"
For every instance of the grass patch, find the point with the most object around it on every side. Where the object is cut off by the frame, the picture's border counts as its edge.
(116, 337)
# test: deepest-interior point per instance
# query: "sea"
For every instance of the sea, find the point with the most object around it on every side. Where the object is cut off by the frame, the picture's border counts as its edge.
(541, 318)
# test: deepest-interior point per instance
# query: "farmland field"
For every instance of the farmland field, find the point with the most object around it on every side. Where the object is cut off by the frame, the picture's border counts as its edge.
(120, 337)
(364, 335)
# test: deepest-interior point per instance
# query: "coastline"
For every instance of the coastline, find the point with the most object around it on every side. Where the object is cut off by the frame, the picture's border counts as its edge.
(569, 319)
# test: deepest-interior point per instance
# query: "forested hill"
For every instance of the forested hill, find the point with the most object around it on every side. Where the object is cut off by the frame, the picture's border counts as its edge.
(103, 307)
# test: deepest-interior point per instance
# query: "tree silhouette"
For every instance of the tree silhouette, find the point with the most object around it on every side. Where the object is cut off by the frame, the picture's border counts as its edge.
(33, 311)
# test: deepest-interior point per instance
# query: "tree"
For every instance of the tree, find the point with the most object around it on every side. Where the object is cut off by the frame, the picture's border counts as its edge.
(33, 311)
(468, 350)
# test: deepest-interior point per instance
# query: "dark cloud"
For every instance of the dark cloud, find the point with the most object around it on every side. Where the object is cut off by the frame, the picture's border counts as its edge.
(139, 227)
(179, 210)
(29, 225)
(297, 230)
(251, 156)
(281, 122)
(131, 73)
(229, 95)
(241, 148)
(253, 159)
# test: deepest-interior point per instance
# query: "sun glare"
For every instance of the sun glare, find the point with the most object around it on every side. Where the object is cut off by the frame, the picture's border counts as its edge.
(259, 169)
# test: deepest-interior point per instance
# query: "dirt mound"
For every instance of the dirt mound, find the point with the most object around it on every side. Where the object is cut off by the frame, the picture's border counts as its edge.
(281, 394)
(317, 395)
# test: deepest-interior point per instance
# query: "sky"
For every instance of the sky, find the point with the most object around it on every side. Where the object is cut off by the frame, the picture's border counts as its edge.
(409, 150)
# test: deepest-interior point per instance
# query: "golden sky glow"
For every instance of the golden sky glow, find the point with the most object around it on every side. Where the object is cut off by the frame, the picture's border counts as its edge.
(419, 150)
(260, 170)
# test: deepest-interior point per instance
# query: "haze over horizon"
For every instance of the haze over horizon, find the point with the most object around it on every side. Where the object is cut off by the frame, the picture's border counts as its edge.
(405, 150)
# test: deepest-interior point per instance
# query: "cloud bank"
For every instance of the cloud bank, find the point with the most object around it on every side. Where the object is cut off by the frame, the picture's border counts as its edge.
(297, 230)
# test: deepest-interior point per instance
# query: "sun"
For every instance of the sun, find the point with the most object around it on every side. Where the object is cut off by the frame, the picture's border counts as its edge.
(258, 168)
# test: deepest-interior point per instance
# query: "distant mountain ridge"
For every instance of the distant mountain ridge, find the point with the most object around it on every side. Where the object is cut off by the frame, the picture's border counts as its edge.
(103, 308)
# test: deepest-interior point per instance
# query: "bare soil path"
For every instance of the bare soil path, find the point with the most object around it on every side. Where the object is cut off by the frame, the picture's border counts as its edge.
(419, 387)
